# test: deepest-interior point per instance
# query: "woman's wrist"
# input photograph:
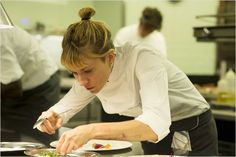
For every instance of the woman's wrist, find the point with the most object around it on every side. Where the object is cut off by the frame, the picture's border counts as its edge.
(92, 131)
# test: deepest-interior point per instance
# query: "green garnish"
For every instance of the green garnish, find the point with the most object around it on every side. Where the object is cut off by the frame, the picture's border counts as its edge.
(49, 153)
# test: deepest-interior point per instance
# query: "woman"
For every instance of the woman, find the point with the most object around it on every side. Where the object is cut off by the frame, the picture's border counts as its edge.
(131, 80)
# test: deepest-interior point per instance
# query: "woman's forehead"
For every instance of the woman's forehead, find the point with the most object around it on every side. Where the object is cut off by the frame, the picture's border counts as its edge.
(84, 64)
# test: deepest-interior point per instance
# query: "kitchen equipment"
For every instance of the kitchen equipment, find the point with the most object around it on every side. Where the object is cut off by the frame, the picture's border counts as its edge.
(17, 148)
(5, 21)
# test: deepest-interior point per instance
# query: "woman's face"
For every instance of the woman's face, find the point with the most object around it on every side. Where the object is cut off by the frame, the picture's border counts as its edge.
(95, 74)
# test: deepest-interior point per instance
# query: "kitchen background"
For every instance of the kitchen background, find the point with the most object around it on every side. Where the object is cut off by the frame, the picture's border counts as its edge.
(179, 20)
(203, 60)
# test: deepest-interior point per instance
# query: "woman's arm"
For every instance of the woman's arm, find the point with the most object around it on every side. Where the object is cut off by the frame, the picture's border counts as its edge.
(132, 130)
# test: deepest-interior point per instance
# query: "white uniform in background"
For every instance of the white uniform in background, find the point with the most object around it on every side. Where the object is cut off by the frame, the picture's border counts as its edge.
(22, 58)
(155, 39)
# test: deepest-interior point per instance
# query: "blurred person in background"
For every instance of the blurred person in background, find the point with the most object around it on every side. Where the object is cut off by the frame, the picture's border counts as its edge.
(170, 115)
(147, 31)
(29, 85)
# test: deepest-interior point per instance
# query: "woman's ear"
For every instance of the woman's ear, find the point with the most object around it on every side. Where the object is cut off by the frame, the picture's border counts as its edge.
(111, 56)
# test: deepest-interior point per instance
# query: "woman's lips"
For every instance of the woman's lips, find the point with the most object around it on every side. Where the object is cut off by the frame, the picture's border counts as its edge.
(89, 88)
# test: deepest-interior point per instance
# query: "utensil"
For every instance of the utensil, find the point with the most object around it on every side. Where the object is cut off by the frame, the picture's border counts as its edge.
(41, 120)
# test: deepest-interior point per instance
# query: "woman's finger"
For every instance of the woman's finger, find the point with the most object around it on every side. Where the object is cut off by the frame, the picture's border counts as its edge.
(49, 126)
(51, 122)
(45, 128)
(70, 147)
(64, 147)
(60, 142)
(40, 128)
(59, 123)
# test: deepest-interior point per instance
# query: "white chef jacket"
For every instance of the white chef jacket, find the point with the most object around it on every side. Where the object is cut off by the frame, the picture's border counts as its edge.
(156, 39)
(22, 58)
(143, 84)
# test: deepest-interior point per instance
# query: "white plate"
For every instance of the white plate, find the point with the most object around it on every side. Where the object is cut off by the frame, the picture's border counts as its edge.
(115, 145)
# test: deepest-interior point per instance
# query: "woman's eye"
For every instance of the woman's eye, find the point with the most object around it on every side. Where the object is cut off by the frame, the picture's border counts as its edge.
(74, 73)
(88, 71)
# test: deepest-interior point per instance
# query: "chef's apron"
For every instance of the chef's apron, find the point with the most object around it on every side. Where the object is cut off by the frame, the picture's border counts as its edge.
(194, 136)
(19, 114)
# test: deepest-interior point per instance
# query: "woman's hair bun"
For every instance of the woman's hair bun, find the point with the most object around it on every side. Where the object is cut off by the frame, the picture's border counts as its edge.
(86, 13)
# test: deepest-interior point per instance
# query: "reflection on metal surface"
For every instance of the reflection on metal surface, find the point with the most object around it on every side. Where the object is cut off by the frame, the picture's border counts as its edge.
(15, 146)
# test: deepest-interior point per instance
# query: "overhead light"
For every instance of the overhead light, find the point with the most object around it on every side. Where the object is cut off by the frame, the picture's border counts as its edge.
(5, 21)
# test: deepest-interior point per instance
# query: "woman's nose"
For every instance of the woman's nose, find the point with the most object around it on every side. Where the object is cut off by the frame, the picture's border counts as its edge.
(82, 80)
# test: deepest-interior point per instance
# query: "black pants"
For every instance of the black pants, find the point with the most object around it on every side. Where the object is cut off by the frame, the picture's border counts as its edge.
(203, 137)
(19, 115)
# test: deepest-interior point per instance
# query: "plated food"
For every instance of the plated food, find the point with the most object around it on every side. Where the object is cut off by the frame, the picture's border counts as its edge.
(101, 145)
(42, 152)
(49, 152)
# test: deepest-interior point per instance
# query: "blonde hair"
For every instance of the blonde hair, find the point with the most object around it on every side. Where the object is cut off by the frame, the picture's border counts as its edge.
(85, 38)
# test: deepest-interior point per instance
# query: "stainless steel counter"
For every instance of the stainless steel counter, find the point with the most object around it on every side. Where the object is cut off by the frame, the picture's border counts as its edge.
(224, 114)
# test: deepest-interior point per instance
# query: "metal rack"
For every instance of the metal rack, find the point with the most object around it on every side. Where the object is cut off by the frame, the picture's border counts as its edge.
(215, 33)
(223, 33)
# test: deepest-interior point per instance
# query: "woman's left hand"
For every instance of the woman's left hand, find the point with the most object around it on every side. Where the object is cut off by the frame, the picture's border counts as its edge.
(74, 139)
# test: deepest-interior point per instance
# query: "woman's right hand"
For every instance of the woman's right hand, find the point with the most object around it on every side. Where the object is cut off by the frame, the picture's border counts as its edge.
(52, 122)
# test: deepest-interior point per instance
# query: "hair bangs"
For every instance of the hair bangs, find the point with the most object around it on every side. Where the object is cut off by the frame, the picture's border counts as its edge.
(72, 60)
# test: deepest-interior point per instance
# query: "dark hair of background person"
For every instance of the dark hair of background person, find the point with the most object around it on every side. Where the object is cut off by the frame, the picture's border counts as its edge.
(151, 19)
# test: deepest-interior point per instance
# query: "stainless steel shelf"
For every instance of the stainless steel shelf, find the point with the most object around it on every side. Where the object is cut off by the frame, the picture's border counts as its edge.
(224, 114)
(224, 33)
